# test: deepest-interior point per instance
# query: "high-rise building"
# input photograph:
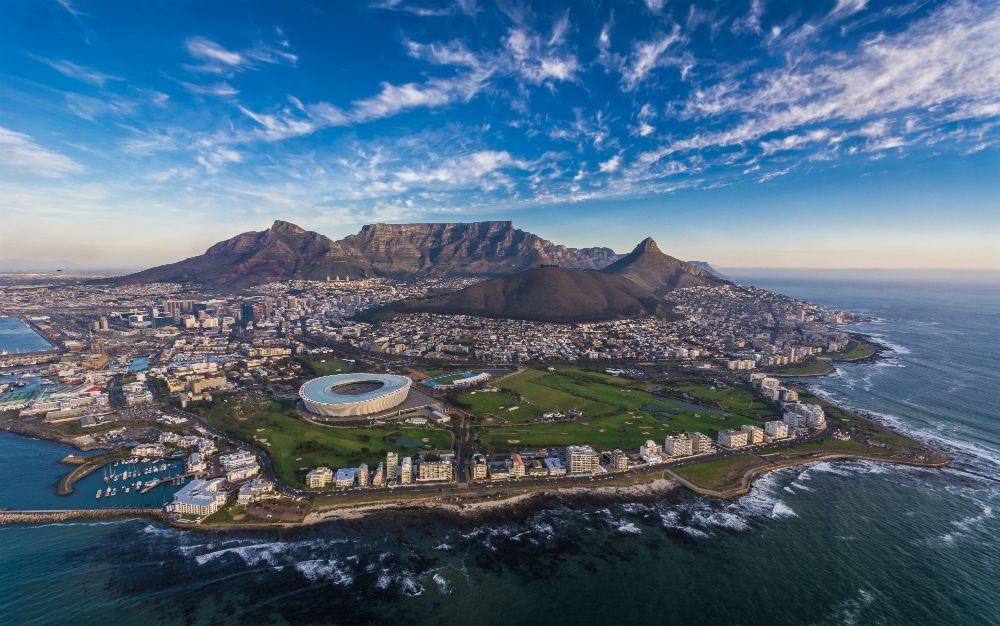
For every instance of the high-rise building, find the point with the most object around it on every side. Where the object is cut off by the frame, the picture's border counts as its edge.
(582, 460)
(406, 471)
(619, 460)
(379, 480)
(391, 466)
(363, 475)
(679, 445)
(247, 315)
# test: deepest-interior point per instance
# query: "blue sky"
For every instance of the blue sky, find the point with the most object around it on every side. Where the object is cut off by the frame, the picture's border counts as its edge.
(839, 133)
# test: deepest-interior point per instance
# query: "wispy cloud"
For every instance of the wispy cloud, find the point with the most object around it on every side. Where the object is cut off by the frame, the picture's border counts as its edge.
(19, 152)
(214, 58)
(77, 72)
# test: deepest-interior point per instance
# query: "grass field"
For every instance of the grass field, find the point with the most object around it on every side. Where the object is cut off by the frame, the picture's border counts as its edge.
(858, 350)
(736, 400)
(326, 365)
(721, 473)
(811, 367)
(295, 444)
(620, 412)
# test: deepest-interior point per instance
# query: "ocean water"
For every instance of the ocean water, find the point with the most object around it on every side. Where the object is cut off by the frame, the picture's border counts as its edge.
(16, 337)
(830, 543)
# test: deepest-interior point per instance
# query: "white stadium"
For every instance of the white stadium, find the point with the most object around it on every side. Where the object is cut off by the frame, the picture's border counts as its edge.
(346, 395)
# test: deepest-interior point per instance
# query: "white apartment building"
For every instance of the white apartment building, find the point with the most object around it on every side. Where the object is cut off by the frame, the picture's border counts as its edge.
(730, 438)
(319, 477)
(679, 445)
(582, 460)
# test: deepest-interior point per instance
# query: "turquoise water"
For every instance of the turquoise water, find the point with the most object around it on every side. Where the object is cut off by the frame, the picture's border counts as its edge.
(30, 469)
(16, 337)
(831, 543)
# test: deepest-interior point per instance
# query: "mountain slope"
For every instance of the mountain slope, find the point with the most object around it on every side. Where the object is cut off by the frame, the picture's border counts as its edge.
(477, 248)
(286, 251)
(281, 252)
(545, 294)
(653, 270)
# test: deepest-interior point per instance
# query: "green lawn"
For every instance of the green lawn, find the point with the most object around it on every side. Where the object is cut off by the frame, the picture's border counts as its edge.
(738, 400)
(857, 350)
(620, 411)
(720, 473)
(810, 367)
(326, 365)
(294, 443)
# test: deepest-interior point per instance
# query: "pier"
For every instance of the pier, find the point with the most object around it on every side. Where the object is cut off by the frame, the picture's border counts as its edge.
(62, 515)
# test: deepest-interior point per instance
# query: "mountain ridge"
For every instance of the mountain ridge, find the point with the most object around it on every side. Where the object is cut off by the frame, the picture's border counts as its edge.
(286, 251)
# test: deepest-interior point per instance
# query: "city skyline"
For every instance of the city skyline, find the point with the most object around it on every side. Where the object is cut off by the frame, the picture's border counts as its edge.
(848, 134)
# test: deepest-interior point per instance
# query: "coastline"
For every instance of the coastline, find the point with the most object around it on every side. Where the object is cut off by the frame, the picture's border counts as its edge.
(484, 500)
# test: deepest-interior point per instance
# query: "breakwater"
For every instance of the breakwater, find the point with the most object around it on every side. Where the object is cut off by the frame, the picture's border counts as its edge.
(62, 515)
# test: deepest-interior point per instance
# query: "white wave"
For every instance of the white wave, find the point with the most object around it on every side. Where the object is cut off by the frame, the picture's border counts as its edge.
(252, 555)
(782, 510)
(384, 580)
(443, 546)
(442, 584)
(965, 525)
(848, 612)
(324, 570)
(410, 587)
(882, 341)
(629, 528)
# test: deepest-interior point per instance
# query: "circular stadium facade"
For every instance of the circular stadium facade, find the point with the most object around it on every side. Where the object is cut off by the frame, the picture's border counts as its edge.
(346, 395)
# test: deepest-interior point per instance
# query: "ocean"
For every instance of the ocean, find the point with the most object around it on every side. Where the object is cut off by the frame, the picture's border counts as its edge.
(17, 337)
(830, 543)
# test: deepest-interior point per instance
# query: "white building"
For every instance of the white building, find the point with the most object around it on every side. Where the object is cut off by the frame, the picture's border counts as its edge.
(755, 434)
(195, 463)
(776, 429)
(679, 445)
(346, 477)
(700, 443)
(649, 452)
(243, 472)
(319, 477)
(730, 438)
(582, 460)
(434, 470)
(200, 497)
(154, 450)
(237, 459)
(254, 491)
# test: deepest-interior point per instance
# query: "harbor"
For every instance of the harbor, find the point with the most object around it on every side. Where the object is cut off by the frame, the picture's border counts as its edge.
(30, 469)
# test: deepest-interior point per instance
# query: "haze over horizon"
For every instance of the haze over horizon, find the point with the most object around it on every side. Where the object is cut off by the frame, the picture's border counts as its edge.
(845, 134)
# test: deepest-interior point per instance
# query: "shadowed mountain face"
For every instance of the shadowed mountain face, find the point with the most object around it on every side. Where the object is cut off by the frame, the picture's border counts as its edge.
(286, 251)
(281, 252)
(478, 248)
(653, 270)
(544, 294)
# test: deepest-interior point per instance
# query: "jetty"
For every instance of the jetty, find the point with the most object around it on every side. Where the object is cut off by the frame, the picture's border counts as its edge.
(61, 515)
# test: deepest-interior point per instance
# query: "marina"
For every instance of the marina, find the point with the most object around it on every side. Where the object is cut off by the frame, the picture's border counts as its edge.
(30, 469)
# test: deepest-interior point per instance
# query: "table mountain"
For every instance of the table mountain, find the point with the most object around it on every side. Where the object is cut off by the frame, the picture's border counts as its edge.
(285, 251)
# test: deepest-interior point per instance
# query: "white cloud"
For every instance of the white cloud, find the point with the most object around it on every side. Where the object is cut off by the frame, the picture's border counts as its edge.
(611, 165)
(222, 89)
(20, 152)
(217, 59)
(211, 52)
(648, 55)
(78, 72)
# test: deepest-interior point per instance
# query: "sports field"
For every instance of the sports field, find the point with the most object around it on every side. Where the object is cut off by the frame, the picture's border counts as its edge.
(296, 446)
(619, 412)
